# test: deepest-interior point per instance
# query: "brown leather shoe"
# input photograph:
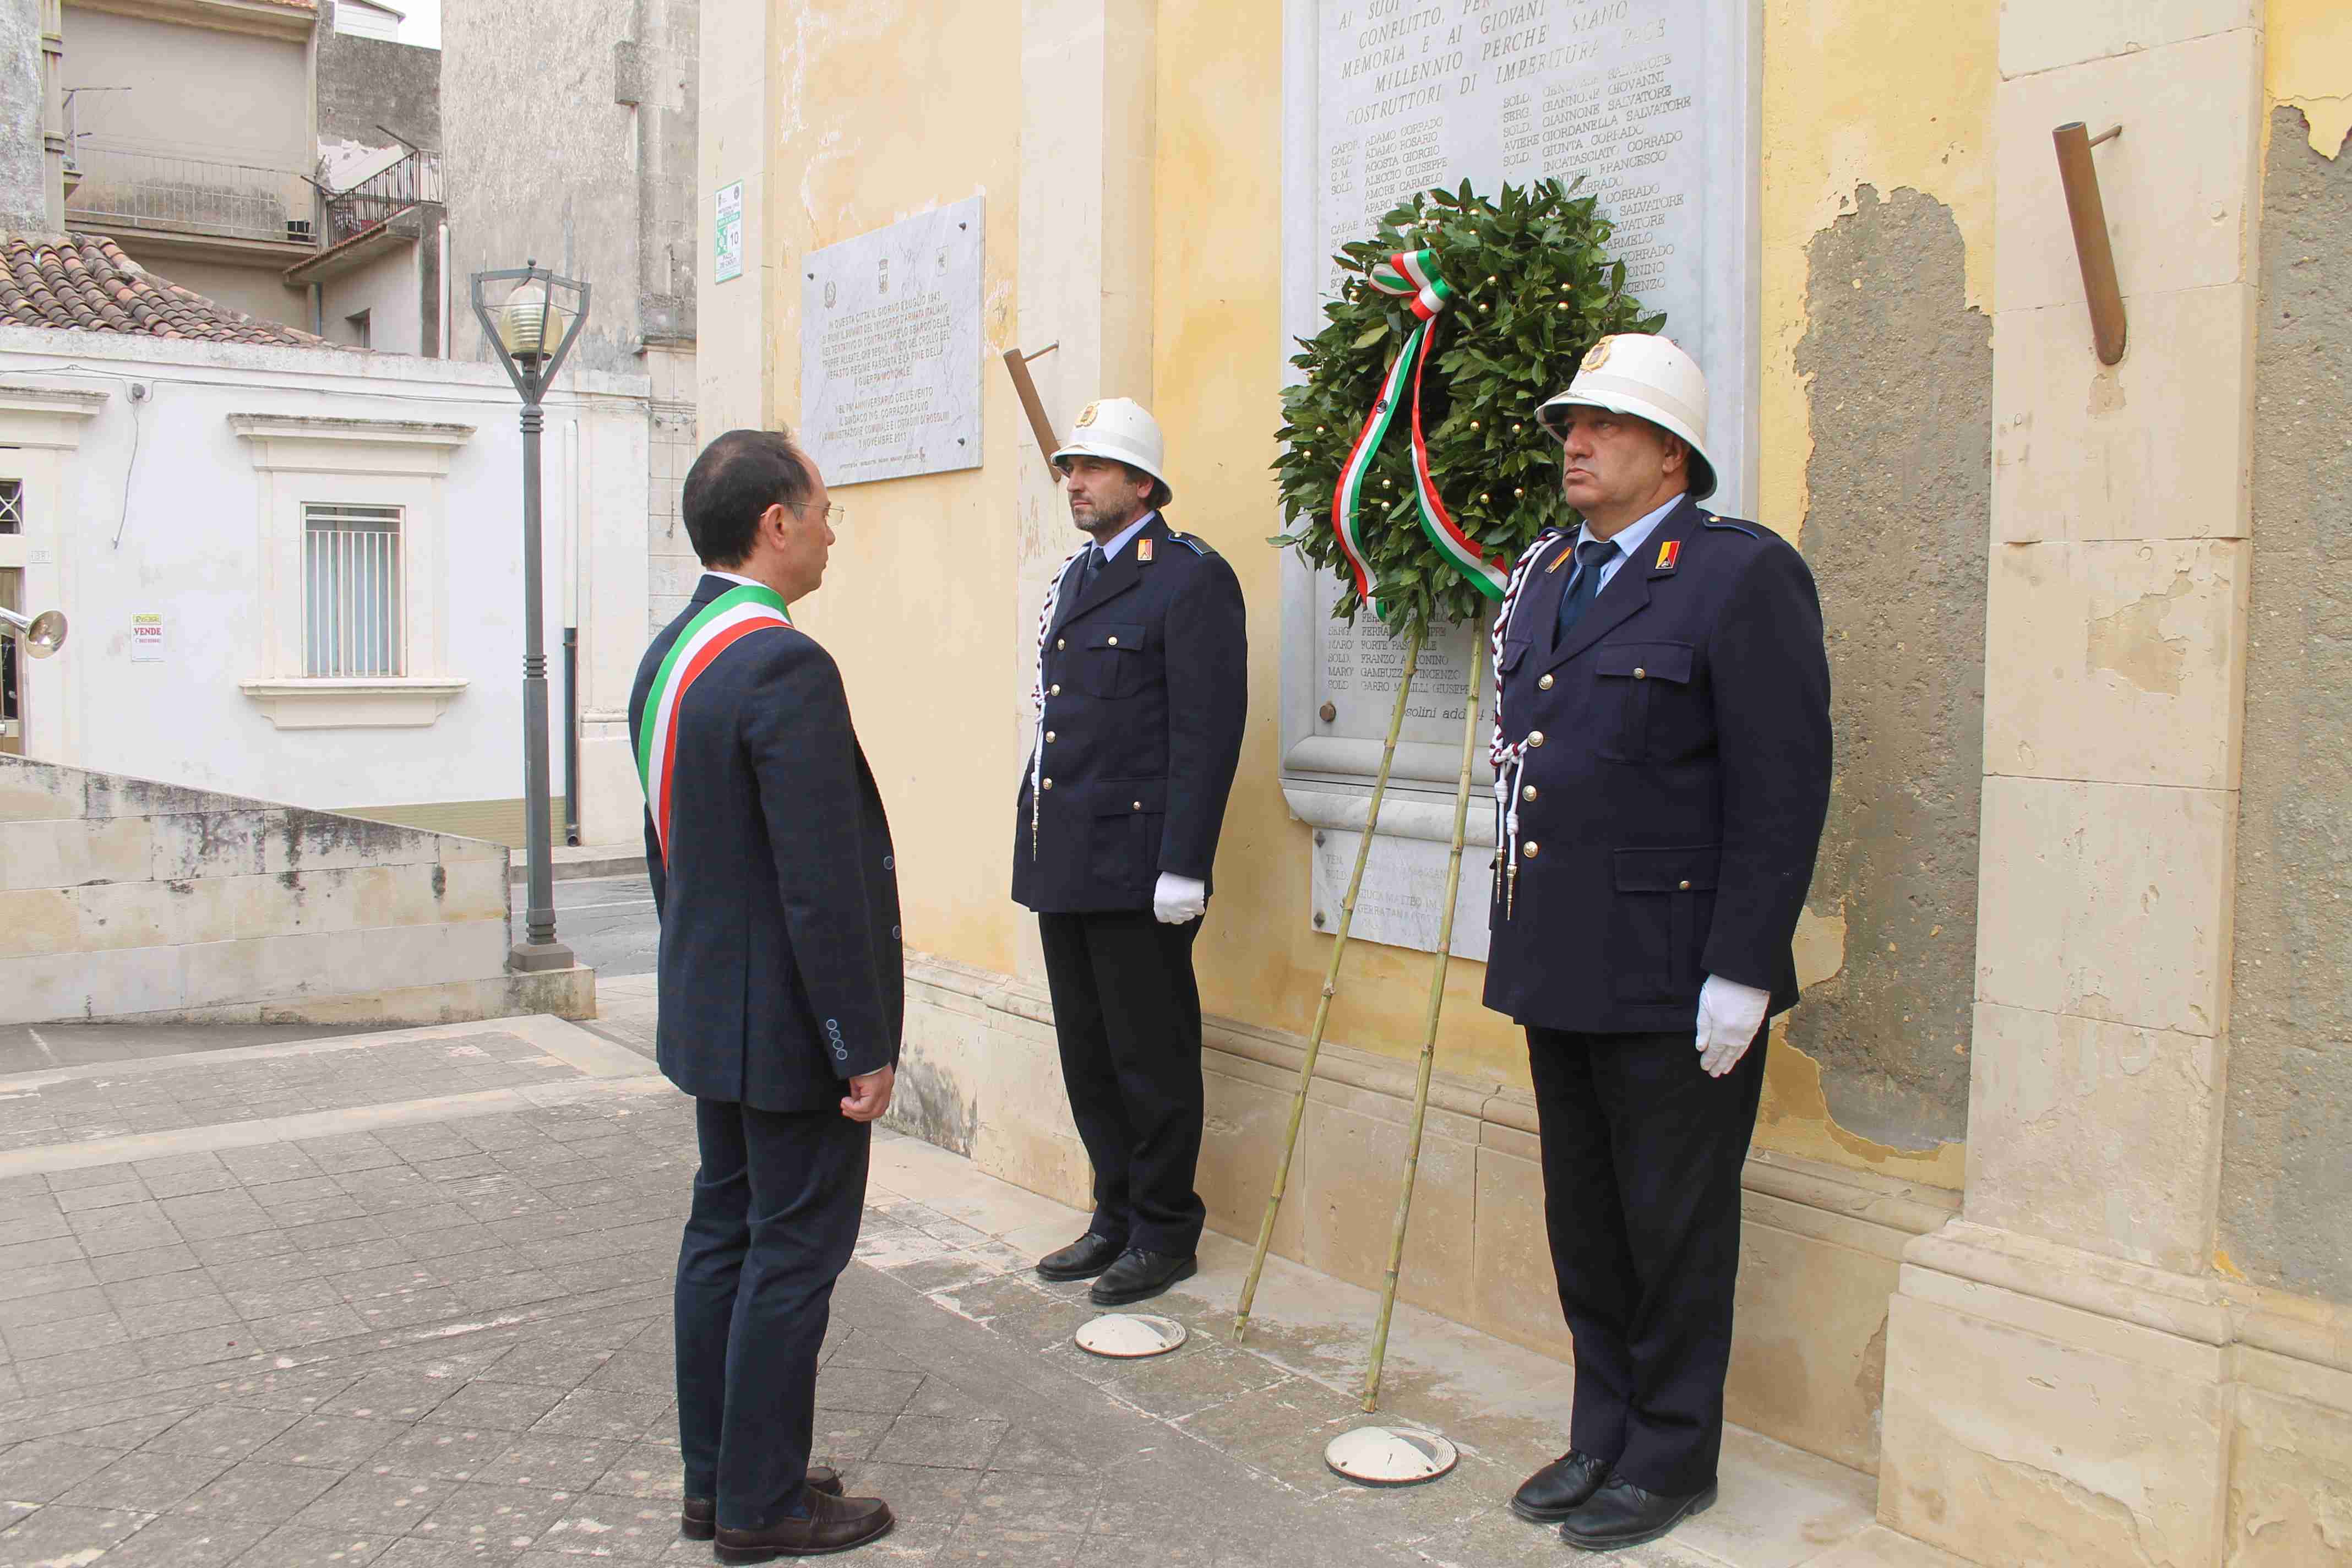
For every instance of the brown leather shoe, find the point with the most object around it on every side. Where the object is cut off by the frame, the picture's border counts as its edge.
(697, 1517)
(833, 1524)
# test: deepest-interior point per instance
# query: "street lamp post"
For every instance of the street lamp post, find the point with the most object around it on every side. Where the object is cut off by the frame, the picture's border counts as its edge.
(542, 311)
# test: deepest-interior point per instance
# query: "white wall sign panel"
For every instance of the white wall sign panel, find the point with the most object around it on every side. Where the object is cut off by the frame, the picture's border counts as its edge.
(1653, 103)
(891, 349)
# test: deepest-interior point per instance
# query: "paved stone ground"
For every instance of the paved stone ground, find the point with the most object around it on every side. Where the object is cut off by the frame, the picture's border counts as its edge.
(437, 1331)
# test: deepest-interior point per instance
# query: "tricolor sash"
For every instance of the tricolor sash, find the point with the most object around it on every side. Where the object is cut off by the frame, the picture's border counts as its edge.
(721, 624)
(1414, 275)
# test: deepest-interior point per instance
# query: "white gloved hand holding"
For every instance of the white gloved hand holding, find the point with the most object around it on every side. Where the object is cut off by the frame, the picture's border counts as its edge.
(1729, 1015)
(1178, 899)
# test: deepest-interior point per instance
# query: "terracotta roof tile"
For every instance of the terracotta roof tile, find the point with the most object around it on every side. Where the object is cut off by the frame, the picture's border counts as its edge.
(83, 282)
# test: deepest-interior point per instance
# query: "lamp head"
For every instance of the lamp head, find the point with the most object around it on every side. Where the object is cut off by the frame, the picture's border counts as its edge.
(532, 322)
(42, 635)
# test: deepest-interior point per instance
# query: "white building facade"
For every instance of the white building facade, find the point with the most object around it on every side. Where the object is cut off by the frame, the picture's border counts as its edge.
(296, 574)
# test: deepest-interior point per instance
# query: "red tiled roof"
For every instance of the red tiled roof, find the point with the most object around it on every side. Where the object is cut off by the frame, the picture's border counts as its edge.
(83, 282)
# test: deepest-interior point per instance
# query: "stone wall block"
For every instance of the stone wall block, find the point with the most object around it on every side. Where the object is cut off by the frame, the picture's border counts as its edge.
(2008, 1440)
(210, 843)
(2118, 661)
(2176, 184)
(2291, 1478)
(1809, 1345)
(35, 854)
(38, 921)
(2041, 37)
(29, 794)
(2097, 1135)
(1514, 1294)
(2157, 446)
(2106, 901)
(1348, 1202)
(318, 841)
(89, 984)
(1024, 1134)
(119, 850)
(1246, 1113)
(126, 914)
(450, 849)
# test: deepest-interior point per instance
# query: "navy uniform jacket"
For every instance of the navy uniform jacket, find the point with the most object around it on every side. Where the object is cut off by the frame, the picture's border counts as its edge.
(1146, 689)
(781, 975)
(1669, 817)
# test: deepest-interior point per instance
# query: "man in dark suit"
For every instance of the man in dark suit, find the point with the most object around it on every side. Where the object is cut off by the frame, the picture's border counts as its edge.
(1663, 771)
(1142, 689)
(781, 991)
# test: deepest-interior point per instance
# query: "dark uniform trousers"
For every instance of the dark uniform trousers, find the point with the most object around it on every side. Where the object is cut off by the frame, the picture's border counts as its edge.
(776, 1209)
(1641, 1156)
(1128, 1013)
(1145, 678)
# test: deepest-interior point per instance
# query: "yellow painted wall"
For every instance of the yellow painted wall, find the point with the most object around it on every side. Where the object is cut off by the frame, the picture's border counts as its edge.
(2308, 63)
(921, 609)
(883, 110)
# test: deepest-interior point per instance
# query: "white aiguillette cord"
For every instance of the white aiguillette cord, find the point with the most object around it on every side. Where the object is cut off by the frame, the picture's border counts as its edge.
(1038, 692)
(1510, 762)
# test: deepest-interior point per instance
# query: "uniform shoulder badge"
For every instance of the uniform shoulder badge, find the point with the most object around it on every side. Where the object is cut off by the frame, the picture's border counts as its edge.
(1709, 519)
(1189, 542)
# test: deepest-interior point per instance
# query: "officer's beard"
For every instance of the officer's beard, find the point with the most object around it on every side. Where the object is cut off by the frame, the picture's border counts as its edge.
(1103, 524)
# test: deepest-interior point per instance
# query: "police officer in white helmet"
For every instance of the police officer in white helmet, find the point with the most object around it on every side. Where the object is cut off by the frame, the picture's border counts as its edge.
(1142, 689)
(1663, 772)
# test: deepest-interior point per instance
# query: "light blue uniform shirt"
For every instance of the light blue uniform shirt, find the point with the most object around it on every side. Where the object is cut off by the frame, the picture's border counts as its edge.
(1629, 541)
(1110, 552)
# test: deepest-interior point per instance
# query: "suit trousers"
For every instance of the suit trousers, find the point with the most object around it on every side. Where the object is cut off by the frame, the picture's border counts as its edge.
(776, 1209)
(1641, 1158)
(1127, 1015)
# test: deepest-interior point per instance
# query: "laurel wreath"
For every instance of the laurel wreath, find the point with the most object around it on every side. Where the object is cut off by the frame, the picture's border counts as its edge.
(1535, 288)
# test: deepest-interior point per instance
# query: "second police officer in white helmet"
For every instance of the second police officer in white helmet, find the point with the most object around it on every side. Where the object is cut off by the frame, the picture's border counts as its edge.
(1663, 763)
(1142, 693)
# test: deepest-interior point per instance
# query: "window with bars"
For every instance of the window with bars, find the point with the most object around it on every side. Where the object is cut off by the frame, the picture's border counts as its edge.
(12, 506)
(352, 591)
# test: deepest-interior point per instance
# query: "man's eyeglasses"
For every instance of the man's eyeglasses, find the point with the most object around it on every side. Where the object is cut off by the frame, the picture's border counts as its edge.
(836, 515)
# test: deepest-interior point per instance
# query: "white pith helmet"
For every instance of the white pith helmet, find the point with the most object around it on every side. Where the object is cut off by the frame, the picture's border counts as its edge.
(1650, 378)
(1123, 430)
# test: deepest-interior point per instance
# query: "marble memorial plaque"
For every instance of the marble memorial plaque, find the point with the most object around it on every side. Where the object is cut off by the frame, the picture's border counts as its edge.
(891, 349)
(1653, 103)
(1405, 888)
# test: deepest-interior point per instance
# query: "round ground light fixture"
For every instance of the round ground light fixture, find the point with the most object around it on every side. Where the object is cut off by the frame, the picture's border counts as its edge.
(1127, 1336)
(1390, 1456)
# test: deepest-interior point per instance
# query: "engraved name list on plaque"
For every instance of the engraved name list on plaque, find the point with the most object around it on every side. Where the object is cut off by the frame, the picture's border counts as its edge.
(1652, 104)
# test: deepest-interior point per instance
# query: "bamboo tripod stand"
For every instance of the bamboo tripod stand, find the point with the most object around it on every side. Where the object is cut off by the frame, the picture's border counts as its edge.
(1429, 1031)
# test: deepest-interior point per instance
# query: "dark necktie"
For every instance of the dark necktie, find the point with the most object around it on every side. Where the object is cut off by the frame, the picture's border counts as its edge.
(1091, 570)
(1592, 555)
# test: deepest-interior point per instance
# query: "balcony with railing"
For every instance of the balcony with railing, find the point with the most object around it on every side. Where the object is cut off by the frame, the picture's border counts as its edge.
(191, 196)
(382, 196)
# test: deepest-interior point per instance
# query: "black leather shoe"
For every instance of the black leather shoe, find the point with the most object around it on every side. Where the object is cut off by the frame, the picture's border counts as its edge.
(1622, 1514)
(1138, 1275)
(833, 1524)
(1082, 1259)
(697, 1517)
(1553, 1493)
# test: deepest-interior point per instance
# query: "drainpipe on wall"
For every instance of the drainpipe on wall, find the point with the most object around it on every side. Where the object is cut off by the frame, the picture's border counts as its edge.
(445, 293)
(317, 311)
(572, 632)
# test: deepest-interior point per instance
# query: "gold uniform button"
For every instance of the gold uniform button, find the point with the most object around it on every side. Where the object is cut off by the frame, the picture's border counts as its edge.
(1139, 805)
(1686, 887)
(1545, 684)
(1529, 849)
(1641, 674)
(1047, 784)
(1114, 642)
(1049, 737)
(1060, 643)
(1535, 737)
(1055, 693)
(1528, 793)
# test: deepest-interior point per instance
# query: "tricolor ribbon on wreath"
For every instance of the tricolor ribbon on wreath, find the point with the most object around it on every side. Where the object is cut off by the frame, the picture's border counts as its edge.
(1410, 275)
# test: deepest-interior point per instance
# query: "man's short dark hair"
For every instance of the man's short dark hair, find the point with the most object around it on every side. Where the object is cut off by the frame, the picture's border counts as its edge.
(737, 478)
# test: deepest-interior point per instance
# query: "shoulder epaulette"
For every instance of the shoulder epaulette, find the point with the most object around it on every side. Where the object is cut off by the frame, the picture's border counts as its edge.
(1189, 542)
(1709, 519)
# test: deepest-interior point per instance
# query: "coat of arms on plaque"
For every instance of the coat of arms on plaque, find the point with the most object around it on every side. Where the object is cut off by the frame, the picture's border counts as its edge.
(832, 292)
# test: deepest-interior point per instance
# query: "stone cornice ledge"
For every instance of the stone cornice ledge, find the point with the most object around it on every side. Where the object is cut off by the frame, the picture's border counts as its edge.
(2110, 1287)
(18, 398)
(319, 427)
(399, 702)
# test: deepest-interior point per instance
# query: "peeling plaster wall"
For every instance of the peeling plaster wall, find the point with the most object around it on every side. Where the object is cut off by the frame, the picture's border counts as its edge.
(2286, 1178)
(1900, 371)
(24, 175)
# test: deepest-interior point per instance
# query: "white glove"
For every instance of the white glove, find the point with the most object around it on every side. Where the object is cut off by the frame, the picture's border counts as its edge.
(1729, 1015)
(1178, 899)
